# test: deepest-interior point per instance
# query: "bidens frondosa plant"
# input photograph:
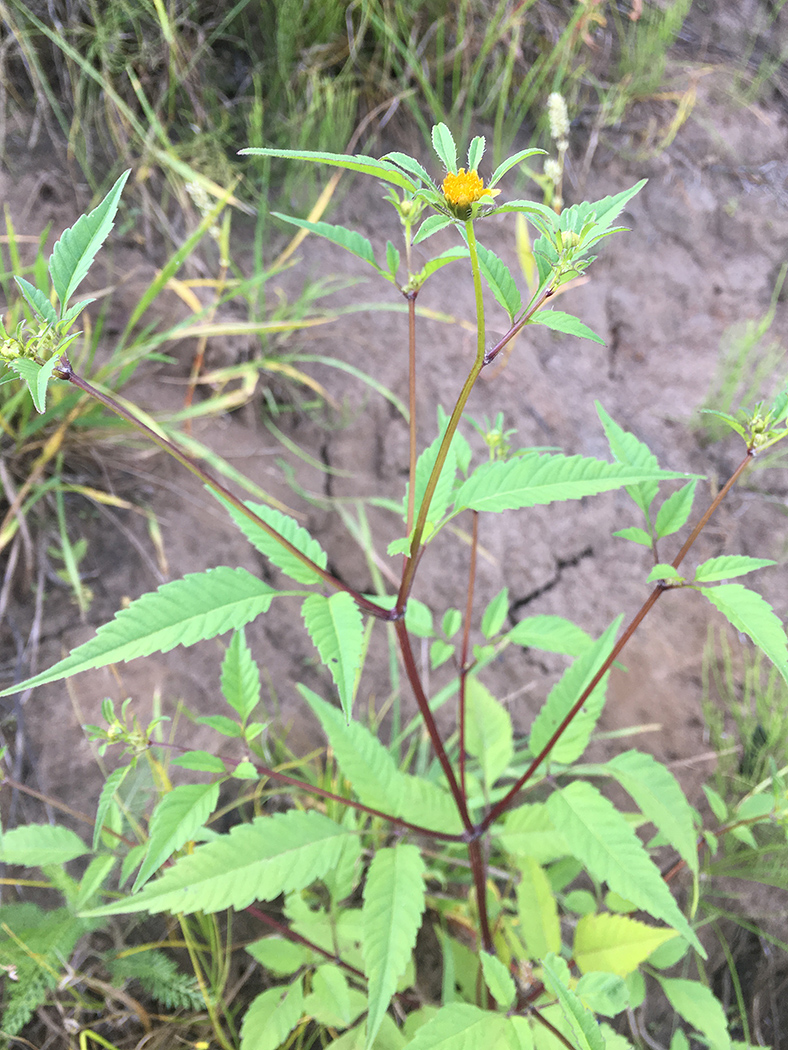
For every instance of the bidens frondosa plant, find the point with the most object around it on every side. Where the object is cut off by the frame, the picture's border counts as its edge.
(362, 861)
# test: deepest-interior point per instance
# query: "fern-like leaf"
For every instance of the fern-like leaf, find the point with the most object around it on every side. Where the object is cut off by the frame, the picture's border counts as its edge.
(160, 977)
(201, 605)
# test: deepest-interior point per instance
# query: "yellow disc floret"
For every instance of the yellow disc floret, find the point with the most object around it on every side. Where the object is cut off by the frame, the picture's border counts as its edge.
(463, 189)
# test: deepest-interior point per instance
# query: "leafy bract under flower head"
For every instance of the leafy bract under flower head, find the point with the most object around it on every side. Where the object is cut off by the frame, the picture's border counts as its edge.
(463, 188)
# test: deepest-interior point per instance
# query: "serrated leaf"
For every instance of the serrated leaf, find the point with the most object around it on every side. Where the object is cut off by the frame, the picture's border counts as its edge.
(634, 535)
(175, 821)
(410, 165)
(365, 165)
(460, 1026)
(566, 323)
(394, 903)
(42, 382)
(201, 605)
(36, 845)
(240, 677)
(752, 614)
(538, 480)
(443, 142)
(495, 614)
(449, 256)
(200, 761)
(38, 301)
(510, 162)
(500, 281)
(582, 1022)
(76, 249)
(475, 152)
(673, 513)
(488, 731)
(698, 1005)
(222, 724)
(363, 759)
(528, 831)
(271, 1017)
(660, 798)
(615, 944)
(603, 993)
(564, 694)
(332, 1001)
(498, 980)
(106, 799)
(442, 496)
(392, 259)
(290, 530)
(663, 572)
(540, 927)
(337, 631)
(350, 240)
(727, 566)
(427, 804)
(551, 634)
(626, 448)
(600, 837)
(279, 955)
(716, 803)
(255, 861)
(432, 224)
(607, 210)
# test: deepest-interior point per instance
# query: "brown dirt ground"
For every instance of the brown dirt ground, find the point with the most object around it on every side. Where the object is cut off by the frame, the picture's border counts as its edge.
(708, 238)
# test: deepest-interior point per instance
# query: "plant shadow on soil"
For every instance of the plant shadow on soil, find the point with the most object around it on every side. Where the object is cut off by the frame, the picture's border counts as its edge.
(708, 238)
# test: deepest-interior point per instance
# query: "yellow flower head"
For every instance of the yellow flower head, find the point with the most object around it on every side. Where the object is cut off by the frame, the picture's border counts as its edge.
(463, 189)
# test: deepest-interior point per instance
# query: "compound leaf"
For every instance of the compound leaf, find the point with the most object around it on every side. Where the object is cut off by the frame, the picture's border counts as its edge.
(201, 605)
(336, 628)
(541, 479)
(751, 613)
(175, 821)
(255, 861)
(393, 906)
(603, 841)
(76, 249)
